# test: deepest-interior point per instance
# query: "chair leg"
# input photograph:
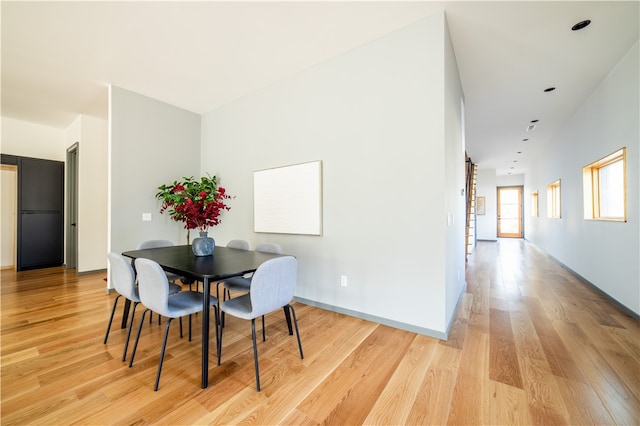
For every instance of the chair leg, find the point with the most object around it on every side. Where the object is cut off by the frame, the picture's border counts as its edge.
(264, 335)
(164, 346)
(135, 345)
(126, 342)
(287, 315)
(113, 311)
(181, 327)
(295, 322)
(255, 352)
(151, 318)
(189, 326)
(219, 339)
(226, 294)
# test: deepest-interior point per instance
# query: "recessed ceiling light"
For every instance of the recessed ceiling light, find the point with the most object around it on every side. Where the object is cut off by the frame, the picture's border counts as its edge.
(549, 89)
(519, 152)
(580, 25)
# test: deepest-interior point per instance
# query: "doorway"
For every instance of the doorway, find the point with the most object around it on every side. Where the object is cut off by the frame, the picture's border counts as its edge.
(9, 215)
(510, 212)
(71, 254)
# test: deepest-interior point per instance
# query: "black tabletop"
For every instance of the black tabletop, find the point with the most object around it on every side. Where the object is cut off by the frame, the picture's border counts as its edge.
(224, 263)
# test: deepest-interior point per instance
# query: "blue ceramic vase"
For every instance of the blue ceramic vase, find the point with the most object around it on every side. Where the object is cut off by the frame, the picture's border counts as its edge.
(203, 245)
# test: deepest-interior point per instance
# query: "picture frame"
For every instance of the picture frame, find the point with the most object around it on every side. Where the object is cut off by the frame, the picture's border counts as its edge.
(480, 205)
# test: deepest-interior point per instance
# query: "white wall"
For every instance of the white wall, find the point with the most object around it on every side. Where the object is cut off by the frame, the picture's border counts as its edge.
(607, 254)
(376, 118)
(92, 194)
(27, 139)
(455, 194)
(487, 224)
(150, 143)
(510, 180)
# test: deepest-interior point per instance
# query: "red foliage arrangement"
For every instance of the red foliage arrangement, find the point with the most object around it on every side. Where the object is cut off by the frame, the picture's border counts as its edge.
(196, 203)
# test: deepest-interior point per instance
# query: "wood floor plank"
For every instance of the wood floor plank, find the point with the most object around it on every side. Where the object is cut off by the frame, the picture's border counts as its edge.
(186, 414)
(503, 358)
(121, 410)
(396, 400)
(546, 406)
(508, 405)
(431, 405)
(307, 380)
(30, 410)
(470, 402)
(75, 411)
(337, 346)
(374, 372)
(525, 336)
(627, 340)
(584, 406)
(298, 418)
(559, 359)
(522, 315)
(604, 380)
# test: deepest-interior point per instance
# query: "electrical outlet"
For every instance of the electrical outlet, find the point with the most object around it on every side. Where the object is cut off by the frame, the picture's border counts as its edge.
(343, 280)
(146, 217)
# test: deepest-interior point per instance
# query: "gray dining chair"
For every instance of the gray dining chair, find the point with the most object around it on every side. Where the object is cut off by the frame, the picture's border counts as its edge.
(149, 244)
(153, 288)
(234, 244)
(173, 287)
(242, 284)
(238, 244)
(123, 278)
(272, 287)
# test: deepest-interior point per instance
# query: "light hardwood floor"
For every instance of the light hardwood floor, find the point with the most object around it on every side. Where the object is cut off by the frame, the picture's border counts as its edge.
(530, 344)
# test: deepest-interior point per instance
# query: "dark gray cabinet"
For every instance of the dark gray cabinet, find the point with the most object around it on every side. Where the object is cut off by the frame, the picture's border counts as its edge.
(40, 233)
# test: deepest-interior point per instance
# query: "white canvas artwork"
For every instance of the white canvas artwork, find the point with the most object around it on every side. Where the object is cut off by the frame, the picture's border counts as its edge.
(288, 200)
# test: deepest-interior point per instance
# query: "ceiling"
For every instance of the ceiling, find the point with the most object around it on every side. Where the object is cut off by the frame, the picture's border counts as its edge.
(58, 58)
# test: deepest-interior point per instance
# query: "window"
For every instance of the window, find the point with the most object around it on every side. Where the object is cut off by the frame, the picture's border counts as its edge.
(553, 200)
(605, 194)
(534, 204)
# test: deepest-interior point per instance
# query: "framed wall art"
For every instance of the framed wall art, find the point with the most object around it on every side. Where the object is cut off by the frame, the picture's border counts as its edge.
(288, 199)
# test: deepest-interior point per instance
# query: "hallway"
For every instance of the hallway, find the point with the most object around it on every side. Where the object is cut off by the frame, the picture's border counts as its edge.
(564, 352)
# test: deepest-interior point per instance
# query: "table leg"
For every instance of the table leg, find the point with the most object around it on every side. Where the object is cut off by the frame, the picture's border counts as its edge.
(205, 332)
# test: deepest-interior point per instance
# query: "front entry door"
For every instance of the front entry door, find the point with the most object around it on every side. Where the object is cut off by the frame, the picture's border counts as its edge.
(510, 212)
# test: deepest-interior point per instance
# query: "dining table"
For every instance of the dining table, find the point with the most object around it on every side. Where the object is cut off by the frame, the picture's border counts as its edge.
(224, 263)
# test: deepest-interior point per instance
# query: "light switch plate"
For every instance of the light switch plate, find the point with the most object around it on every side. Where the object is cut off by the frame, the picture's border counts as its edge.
(146, 217)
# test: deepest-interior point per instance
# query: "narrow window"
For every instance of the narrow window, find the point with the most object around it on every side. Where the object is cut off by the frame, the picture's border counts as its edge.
(604, 183)
(534, 204)
(553, 200)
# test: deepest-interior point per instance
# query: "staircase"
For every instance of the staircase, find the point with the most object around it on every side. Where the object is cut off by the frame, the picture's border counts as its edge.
(470, 235)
